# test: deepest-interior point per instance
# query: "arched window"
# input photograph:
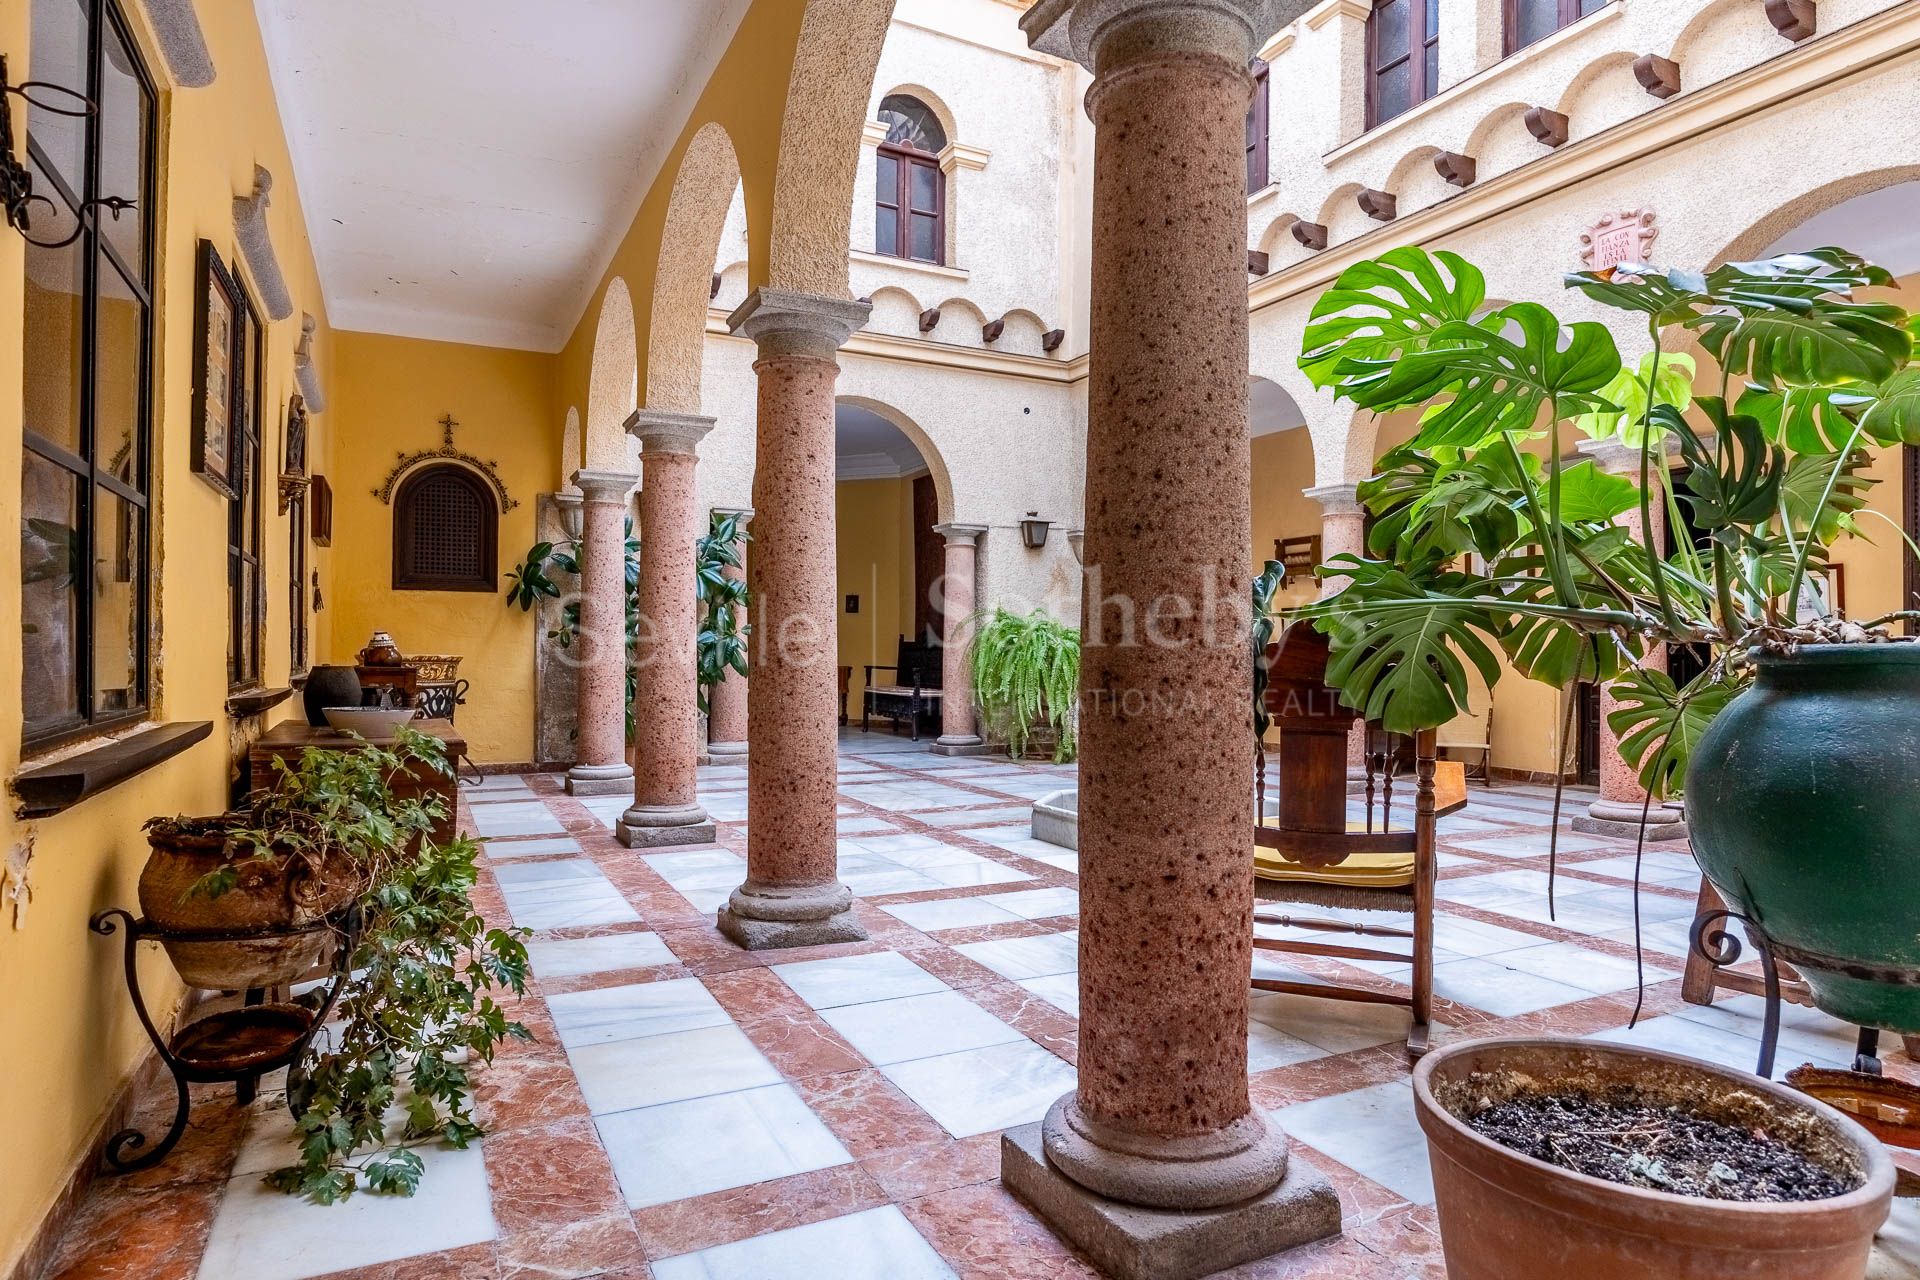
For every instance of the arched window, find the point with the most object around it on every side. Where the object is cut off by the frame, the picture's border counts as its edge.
(910, 192)
(446, 531)
(1403, 57)
(1530, 20)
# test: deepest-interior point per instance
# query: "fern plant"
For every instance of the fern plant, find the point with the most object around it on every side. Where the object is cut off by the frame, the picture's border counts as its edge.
(1026, 671)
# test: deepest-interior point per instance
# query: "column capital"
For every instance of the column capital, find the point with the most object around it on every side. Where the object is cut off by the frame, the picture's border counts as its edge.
(1073, 29)
(964, 534)
(745, 513)
(664, 431)
(1618, 458)
(605, 486)
(788, 322)
(1336, 499)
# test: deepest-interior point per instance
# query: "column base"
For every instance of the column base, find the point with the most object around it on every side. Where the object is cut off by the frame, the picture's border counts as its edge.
(965, 745)
(1608, 818)
(1132, 1243)
(726, 753)
(766, 918)
(600, 780)
(647, 826)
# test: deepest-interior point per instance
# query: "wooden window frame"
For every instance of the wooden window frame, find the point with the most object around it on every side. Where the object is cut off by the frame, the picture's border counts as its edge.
(1418, 38)
(246, 531)
(1510, 22)
(299, 622)
(906, 160)
(89, 477)
(1260, 129)
(405, 577)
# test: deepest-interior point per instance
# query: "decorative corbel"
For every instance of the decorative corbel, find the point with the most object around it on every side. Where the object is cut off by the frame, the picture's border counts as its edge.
(1311, 234)
(305, 372)
(1458, 170)
(1051, 340)
(177, 27)
(1548, 126)
(1381, 206)
(1657, 75)
(929, 318)
(250, 228)
(1795, 19)
(1258, 263)
(990, 331)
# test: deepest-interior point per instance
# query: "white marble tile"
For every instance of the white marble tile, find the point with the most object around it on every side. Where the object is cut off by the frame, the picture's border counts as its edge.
(573, 957)
(507, 850)
(1804, 1032)
(1696, 1039)
(575, 903)
(1061, 990)
(888, 1031)
(547, 871)
(1338, 1026)
(1475, 938)
(682, 1149)
(641, 1009)
(890, 879)
(517, 818)
(625, 1074)
(1532, 845)
(1506, 992)
(261, 1234)
(844, 980)
(1034, 957)
(938, 855)
(974, 817)
(963, 875)
(980, 1090)
(1576, 966)
(948, 913)
(1038, 904)
(879, 1244)
(1372, 1131)
(1269, 1047)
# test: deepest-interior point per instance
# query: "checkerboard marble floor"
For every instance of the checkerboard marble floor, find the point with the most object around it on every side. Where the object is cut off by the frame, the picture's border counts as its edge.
(690, 1111)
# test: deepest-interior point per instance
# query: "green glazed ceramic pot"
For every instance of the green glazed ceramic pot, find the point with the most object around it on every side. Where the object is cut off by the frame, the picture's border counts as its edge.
(1803, 798)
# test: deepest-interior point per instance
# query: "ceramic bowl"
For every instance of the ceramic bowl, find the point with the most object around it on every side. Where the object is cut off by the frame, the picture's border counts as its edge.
(375, 724)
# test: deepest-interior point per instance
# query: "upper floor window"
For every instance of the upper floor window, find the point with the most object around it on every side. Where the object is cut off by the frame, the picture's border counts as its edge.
(87, 332)
(1530, 20)
(1258, 123)
(1403, 56)
(910, 192)
(446, 531)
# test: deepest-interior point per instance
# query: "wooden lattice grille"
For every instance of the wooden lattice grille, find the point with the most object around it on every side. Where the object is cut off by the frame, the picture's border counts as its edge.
(445, 532)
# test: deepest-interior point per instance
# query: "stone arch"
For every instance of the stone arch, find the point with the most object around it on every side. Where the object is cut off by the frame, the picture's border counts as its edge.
(703, 191)
(895, 311)
(612, 380)
(1415, 181)
(571, 459)
(1025, 332)
(1499, 141)
(1602, 94)
(835, 62)
(960, 324)
(935, 103)
(929, 452)
(1783, 218)
(1715, 18)
(1274, 238)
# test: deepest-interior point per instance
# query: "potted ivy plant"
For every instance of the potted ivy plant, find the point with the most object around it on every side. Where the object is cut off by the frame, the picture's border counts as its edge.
(1795, 745)
(1026, 680)
(418, 1007)
(722, 595)
(535, 579)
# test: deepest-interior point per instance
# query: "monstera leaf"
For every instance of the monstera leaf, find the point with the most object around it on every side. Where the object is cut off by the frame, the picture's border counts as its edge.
(1558, 646)
(1894, 417)
(1658, 725)
(1497, 383)
(1807, 419)
(1820, 493)
(1666, 296)
(1390, 304)
(1396, 645)
(1735, 486)
(1429, 509)
(1589, 495)
(1672, 385)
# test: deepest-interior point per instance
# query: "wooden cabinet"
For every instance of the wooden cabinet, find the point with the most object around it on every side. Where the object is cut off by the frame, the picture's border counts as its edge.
(289, 738)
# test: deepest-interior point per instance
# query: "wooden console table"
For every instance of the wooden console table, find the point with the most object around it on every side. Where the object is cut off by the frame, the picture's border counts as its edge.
(289, 738)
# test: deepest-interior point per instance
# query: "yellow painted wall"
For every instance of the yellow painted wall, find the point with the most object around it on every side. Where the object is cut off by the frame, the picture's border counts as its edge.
(69, 1033)
(1282, 471)
(875, 552)
(389, 396)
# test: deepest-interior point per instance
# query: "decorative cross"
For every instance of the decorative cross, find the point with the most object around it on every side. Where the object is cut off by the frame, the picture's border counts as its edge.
(447, 424)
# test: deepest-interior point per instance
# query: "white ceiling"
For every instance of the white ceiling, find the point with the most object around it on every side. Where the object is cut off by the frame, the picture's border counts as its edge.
(1880, 227)
(868, 447)
(467, 166)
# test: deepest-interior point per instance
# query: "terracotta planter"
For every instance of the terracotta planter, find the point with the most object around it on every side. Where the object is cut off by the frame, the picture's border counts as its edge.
(1507, 1216)
(272, 894)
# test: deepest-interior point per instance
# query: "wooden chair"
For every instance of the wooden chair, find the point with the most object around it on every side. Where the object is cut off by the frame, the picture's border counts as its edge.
(1472, 735)
(1308, 853)
(915, 691)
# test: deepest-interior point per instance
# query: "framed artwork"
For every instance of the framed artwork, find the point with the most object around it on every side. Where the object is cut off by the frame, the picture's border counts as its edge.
(320, 512)
(1300, 555)
(218, 373)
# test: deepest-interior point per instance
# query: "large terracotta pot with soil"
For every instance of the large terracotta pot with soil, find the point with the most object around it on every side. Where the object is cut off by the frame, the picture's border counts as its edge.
(1803, 812)
(271, 897)
(1645, 1120)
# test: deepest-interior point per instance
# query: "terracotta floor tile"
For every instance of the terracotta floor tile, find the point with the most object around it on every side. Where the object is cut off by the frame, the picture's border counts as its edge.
(528, 1092)
(722, 1217)
(867, 1113)
(123, 1234)
(549, 1176)
(474, 1262)
(984, 1233)
(908, 1173)
(583, 1247)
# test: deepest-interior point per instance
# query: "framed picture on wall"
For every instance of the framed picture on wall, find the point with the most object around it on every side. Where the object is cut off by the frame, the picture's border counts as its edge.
(320, 512)
(217, 373)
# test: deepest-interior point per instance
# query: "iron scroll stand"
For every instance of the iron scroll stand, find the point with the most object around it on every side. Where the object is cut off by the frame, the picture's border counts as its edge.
(234, 1045)
(1722, 949)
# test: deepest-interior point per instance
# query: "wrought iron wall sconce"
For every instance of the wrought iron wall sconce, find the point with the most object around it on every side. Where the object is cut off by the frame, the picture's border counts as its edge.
(1033, 531)
(16, 180)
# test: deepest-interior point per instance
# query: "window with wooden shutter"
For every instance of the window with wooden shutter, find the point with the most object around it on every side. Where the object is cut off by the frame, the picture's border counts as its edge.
(1531, 20)
(910, 192)
(1259, 116)
(1403, 57)
(445, 531)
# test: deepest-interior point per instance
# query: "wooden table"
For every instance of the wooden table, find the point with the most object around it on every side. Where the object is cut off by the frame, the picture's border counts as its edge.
(289, 738)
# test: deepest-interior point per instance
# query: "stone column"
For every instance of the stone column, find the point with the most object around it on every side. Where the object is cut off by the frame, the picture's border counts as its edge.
(727, 701)
(959, 599)
(1623, 801)
(792, 895)
(1343, 531)
(666, 710)
(601, 720)
(1161, 1118)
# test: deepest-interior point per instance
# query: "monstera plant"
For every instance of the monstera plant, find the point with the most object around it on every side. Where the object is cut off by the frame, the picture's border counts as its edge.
(1487, 542)
(722, 642)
